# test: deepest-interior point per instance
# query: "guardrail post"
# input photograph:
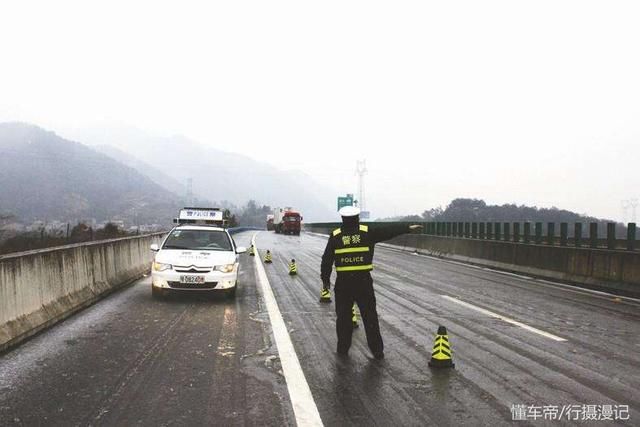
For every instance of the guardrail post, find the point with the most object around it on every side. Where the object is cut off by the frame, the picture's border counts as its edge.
(467, 230)
(448, 229)
(593, 234)
(611, 235)
(631, 236)
(455, 229)
(527, 232)
(474, 230)
(538, 238)
(489, 230)
(482, 232)
(577, 234)
(507, 231)
(551, 233)
(496, 230)
(564, 233)
(516, 232)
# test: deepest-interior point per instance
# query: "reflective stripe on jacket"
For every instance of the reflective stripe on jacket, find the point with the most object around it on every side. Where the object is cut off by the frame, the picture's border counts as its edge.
(353, 251)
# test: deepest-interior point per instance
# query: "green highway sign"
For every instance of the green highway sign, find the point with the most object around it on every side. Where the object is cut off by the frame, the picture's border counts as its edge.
(345, 201)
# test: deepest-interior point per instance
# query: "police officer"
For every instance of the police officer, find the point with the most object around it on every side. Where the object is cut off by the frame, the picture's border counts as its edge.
(351, 247)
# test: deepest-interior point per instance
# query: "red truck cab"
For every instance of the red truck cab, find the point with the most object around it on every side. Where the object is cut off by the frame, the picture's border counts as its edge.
(290, 224)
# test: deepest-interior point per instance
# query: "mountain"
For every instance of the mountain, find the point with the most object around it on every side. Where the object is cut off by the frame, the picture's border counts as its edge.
(219, 175)
(151, 172)
(46, 177)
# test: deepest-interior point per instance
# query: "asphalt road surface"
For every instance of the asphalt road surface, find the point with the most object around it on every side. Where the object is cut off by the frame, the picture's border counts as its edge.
(194, 360)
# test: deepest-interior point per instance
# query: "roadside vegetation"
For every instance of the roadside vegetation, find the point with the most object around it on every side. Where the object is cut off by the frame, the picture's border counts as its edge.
(78, 234)
(477, 210)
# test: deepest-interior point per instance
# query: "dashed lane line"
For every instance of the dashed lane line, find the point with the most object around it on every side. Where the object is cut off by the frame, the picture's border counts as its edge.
(304, 407)
(503, 318)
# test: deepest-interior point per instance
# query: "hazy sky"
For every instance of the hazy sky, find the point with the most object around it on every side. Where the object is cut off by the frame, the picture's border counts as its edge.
(525, 102)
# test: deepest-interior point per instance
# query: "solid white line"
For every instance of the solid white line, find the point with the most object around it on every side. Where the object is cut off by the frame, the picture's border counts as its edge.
(601, 294)
(503, 318)
(304, 407)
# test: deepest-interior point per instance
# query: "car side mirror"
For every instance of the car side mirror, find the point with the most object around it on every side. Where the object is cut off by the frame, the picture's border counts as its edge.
(154, 247)
(241, 250)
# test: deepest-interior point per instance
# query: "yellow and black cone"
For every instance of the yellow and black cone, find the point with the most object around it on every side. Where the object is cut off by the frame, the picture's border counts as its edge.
(325, 295)
(441, 355)
(293, 269)
(252, 251)
(267, 258)
(354, 316)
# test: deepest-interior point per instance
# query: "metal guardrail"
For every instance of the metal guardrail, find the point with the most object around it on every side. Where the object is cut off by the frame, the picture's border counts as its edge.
(536, 233)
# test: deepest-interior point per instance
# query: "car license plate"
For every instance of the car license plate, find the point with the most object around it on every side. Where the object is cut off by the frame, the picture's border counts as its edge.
(195, 280)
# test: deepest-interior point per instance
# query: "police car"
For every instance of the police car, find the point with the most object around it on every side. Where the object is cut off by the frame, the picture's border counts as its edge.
(198, 254)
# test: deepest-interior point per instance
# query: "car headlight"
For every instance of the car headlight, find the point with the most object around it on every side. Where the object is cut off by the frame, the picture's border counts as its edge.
(226, 268)
(158, 266)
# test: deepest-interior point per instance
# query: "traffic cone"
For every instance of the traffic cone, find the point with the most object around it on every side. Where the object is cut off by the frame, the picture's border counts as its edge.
(293, 270)
(325, 295)
(267, 258)
(354, 316)
(441, 355)
(252, 251)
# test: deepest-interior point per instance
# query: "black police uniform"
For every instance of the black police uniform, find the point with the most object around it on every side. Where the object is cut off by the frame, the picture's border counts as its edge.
(351, 248)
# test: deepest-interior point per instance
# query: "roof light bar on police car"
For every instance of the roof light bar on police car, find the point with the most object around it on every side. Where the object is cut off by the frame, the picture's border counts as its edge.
(201, 216)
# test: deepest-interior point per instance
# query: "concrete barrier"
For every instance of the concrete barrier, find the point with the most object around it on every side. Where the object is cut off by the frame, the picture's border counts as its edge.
(236, 230)
(612, 270)
(39, 288)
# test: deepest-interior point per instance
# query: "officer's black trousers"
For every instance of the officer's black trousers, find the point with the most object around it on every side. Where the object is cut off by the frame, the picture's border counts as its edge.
(358, 288)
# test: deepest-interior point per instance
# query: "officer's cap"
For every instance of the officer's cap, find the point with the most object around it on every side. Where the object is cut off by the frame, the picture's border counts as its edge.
(348, 211)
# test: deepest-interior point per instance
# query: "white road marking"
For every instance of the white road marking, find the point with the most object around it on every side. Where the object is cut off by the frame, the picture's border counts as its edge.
(503, 318)
(304, 407)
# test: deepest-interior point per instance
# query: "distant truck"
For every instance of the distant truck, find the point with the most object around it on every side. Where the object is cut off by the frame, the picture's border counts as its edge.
(269, 222)
(286, 221)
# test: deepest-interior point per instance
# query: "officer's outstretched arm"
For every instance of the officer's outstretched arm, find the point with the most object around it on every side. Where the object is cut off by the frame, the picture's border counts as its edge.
(386, 232)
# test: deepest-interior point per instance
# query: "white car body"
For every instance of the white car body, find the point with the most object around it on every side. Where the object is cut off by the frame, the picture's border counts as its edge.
(198, 269)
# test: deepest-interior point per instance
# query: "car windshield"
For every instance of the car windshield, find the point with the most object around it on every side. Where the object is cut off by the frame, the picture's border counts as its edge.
(211, 240)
